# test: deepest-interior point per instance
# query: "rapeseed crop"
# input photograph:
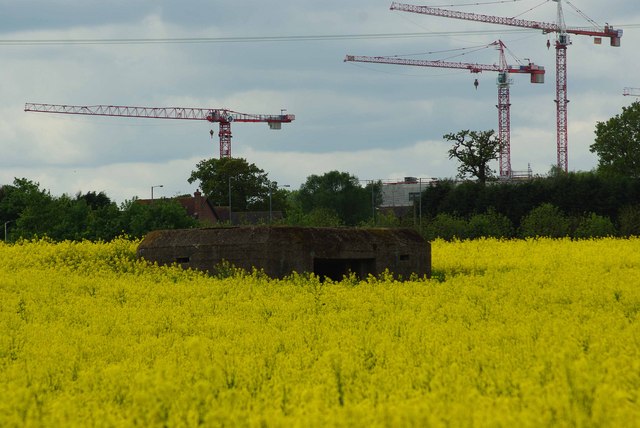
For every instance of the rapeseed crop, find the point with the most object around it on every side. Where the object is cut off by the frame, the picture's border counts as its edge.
(533, 333)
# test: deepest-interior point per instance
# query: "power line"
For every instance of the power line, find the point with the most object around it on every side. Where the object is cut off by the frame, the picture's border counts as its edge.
(250, 39)
(262, 39)
(436, 52)
(478, 3)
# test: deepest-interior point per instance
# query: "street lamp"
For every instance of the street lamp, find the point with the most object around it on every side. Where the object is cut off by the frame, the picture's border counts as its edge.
(270, 191)
(230, 177)
(373, 199)
(152, 187)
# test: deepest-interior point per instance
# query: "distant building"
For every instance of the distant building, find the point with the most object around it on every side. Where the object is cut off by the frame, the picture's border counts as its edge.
(404, 193)
(201, 209)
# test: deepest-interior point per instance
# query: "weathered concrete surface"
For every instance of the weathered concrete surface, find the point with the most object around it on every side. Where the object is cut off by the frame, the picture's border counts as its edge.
(281, 250)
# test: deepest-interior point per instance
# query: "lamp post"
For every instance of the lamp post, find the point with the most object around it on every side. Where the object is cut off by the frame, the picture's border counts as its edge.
(230, 177)
(270, 191)
(152, 187)
(373, 199)
(373, 203)
(5, 229)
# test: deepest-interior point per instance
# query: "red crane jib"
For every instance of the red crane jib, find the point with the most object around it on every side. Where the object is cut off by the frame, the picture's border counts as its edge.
(223, 117)
(211, 115)
(546, 27)
(537, 72)
(504, 121)
(561, 54)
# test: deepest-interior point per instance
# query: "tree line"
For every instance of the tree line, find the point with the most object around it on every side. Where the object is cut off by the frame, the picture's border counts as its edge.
(335, 198)
(603, 202)
(580, 205)
(27, 211)
(577, 204)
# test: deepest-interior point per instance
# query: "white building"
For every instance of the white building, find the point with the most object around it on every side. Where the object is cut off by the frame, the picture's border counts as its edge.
(404, 193)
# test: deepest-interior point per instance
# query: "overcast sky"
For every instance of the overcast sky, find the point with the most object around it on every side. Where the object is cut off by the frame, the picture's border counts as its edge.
(373, 121)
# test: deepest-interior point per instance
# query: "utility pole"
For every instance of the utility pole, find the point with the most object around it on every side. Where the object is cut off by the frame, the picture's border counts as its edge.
(5, 229)
(270, 190)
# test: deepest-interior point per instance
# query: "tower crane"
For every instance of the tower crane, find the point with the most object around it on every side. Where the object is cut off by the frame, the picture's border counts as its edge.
(634, 92)
(223, 116)
(502, 68)
(562, 41)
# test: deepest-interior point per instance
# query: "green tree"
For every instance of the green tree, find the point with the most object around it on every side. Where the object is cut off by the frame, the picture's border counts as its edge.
(29, 209)
(629, 220)
(140, 218)
(95, 200)
(474, 151)
(617, 143)
(545, 220)
(317, 217)
(594, 226)
(33, 212)
(447, 227)
(22, 194)
(340, 193)
(248, 185)
(490, 224)
(103, 219)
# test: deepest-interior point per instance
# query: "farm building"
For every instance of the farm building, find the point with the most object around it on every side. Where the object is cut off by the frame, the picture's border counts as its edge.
(280, 251)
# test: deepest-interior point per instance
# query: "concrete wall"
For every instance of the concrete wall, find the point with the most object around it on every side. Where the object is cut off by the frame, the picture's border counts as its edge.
(280, 250)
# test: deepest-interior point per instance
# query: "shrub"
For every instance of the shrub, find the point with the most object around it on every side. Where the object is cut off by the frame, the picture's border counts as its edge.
(594, 226)
(384, 219)
(629, 220)
(545, 220)
(447, 227)
(490, 224)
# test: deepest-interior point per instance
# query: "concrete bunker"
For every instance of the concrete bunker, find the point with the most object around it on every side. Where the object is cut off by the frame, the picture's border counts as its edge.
(282, 250)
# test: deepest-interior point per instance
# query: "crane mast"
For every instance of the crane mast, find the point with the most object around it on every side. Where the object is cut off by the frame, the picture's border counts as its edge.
(222, 116)
(562, 41)
(503, 82)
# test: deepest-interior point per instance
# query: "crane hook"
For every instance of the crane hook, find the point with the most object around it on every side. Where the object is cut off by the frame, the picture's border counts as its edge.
(211, 133)
(476, 83)
(548, 44)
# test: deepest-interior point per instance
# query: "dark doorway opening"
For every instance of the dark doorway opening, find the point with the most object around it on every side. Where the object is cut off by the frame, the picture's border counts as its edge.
(336, 269)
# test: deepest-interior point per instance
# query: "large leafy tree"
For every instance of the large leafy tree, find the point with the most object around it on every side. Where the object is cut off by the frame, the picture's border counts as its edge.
(137, 218)
(27, 209)
(31, 211)
(474, 151)
(23, 193)
(248, 185)
(617, 143)
(339, 193)
(104, 218)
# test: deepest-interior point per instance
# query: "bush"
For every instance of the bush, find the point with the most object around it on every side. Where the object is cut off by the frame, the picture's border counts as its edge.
(545, 220)
(447, 227)
(629, 220)
(594, 226)
(321, 217)
(384, 219)
(491, 224)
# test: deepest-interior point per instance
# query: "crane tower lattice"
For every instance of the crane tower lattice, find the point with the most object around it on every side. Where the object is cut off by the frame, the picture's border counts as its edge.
(502, 68)
(562, 41)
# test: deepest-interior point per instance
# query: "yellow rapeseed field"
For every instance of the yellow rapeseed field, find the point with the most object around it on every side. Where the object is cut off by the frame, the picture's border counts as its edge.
(519, 333)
